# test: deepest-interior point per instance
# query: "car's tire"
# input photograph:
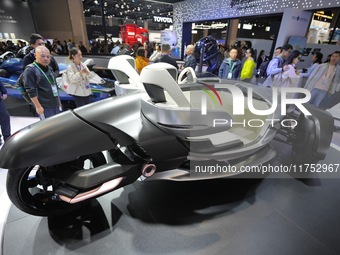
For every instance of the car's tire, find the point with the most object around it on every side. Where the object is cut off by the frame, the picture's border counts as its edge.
(23, 191)
(313, 136)
(305, 142)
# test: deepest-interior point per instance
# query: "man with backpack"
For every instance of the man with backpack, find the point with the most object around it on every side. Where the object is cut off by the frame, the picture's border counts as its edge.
(262, 68)
(276, 65)
(40, 84)
(35, 41)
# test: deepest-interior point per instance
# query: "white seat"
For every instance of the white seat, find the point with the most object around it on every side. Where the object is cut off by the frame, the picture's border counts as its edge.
(170, 107)
(123, 69)
(179, 112)
(159, 77)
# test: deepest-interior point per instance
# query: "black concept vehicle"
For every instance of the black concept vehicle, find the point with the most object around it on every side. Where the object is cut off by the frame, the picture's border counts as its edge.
(157, 133)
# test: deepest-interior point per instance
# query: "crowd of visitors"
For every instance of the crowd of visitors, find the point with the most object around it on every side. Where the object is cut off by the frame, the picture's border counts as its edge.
(238, 63)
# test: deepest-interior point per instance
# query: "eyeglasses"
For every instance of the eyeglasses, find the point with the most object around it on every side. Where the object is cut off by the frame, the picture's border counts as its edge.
(41, 44)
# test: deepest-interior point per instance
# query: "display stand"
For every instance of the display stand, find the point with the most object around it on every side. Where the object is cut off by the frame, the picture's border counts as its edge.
(225, 216)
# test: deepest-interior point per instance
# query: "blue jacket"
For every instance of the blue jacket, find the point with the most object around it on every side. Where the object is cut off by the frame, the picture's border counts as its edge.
(233, 66)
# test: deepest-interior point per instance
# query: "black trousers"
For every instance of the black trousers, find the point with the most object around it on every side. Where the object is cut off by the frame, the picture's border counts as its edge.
(4, 121)
(80, 101)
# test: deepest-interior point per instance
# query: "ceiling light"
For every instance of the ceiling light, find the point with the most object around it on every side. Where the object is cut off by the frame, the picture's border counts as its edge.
(247, 26)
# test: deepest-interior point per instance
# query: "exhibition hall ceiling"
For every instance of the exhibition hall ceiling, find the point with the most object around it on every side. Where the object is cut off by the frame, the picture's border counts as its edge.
(129, 9)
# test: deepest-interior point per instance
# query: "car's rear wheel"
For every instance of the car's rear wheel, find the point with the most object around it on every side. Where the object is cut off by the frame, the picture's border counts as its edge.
(313, 136)
(304, 143)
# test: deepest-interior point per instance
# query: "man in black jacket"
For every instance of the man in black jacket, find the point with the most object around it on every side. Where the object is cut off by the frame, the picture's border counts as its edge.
(42, 90)
(166, 56)
(35, 41)
(4, 115)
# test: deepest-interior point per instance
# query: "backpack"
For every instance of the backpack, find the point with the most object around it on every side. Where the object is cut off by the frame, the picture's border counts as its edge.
(262, 72)
(21, 86)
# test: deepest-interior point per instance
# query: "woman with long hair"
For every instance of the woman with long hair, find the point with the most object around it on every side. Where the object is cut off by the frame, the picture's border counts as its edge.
(291, 62)
(290, 77)
(262, 58)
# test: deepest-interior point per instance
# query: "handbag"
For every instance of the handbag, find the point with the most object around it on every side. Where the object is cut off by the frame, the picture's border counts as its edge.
(65, 83)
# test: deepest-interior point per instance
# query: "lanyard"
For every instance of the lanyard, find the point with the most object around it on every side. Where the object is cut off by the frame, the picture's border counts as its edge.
(78, 67)
(54, 83)
(232, 67)
(326, 72)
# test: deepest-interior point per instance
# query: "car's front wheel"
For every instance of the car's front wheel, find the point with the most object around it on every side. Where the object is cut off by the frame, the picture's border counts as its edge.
(32, 188)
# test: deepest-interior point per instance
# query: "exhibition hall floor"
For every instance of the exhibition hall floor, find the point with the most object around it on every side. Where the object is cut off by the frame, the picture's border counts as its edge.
(225, 216)
(16, 124)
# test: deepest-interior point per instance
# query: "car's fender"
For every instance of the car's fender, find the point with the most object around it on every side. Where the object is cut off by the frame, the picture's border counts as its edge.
(60, 138)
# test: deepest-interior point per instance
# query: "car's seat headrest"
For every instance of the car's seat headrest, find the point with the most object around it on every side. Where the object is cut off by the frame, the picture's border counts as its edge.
(159, 77)
(123, 68)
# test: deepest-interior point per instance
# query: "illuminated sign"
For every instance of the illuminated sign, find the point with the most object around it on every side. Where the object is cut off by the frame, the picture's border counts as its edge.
(159, 19)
